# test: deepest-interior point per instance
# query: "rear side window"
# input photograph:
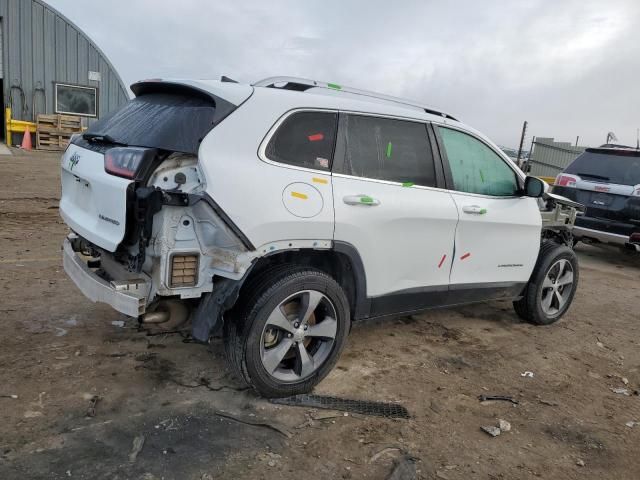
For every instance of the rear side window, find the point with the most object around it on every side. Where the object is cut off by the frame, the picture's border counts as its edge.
(622, 168)
(475, 167)
(168, 121)
(388, 149)
(305, 139)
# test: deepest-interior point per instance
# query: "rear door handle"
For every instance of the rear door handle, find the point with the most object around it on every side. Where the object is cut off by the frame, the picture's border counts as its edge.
(361, 199)
(474, 209)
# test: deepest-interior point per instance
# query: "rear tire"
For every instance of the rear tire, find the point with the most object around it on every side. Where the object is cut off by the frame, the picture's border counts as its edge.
(287, 331)
(552, 286)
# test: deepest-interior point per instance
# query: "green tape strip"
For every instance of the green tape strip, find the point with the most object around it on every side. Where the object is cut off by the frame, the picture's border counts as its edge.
(483, 211)
(408, 184)
(389, 147)
(366, 200)
(335, 86)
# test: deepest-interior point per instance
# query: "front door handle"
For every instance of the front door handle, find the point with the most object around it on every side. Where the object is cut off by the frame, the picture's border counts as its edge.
(474, 209)
(361, 199)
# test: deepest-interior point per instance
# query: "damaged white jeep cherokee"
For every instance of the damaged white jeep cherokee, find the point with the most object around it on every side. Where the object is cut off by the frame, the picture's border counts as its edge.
(278, 213)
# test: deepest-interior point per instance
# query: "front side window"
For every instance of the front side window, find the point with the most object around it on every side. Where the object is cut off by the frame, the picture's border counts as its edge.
(475, 167)
(305, 139)
(388, 149)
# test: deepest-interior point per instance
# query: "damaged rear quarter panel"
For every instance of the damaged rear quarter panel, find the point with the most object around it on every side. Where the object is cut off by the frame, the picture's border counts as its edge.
(195, 229)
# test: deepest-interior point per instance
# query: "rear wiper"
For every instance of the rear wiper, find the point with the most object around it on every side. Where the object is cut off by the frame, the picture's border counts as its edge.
(592, 175)
(99, 137)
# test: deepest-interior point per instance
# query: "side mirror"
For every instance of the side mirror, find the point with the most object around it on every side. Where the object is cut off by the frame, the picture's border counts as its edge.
(534, 187)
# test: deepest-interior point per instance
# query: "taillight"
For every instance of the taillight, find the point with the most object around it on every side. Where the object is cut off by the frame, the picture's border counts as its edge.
(564, 180)
(127, 162)
(634, 238)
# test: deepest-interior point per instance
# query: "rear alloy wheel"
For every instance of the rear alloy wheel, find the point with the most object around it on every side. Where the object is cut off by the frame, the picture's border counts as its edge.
(298, 336)
(288, 331)
(552, 286)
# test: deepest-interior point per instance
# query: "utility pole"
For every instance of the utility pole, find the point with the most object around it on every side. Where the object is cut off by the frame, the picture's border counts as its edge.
(577, 138)
(524, 132)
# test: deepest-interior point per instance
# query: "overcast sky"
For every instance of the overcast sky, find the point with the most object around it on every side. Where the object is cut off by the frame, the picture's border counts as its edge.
(569, 67)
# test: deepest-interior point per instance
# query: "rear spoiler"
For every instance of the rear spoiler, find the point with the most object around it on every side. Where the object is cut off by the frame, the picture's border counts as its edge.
(617, 150)
(222, 106)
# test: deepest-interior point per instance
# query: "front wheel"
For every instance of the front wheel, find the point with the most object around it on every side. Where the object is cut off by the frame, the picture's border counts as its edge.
(288, 331)
(552, 286)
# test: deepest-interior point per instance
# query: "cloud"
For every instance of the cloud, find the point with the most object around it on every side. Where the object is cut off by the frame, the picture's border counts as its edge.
(570, 68)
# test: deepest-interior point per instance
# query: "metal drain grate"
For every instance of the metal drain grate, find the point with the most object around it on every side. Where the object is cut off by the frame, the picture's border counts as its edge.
(377, 409)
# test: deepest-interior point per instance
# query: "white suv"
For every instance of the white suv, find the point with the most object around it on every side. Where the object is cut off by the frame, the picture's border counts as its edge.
(279, 212)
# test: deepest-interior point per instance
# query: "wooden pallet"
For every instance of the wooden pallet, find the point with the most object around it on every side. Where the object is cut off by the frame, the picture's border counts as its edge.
(53, 132)
(63, 123)
(55, 141)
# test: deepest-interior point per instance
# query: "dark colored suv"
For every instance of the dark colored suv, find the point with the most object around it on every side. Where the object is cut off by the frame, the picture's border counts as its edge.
(606, 180)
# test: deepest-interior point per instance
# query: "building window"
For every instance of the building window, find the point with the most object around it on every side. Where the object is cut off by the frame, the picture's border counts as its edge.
(76, 100)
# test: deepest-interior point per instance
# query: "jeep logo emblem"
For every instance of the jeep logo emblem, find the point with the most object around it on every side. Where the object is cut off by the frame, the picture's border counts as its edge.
(73, 160)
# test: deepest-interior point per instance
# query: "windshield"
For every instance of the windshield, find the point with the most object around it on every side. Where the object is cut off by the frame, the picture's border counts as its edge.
(622, 168)
(168, 121)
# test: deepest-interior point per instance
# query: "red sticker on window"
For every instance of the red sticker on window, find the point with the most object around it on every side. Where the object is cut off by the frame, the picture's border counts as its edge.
(316, 137)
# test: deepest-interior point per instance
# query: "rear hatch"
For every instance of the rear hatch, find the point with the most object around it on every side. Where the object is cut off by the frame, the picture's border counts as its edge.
(93, 202)
(102, 168)
(607, 182)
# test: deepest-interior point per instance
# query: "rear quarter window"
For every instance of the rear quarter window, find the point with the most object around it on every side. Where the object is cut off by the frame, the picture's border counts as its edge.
(305, 139)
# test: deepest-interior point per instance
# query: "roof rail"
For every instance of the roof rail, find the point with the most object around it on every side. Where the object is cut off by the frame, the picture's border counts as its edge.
(303, 84)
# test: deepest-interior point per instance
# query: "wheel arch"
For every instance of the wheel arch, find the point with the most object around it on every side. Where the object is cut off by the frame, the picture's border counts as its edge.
(342, 263)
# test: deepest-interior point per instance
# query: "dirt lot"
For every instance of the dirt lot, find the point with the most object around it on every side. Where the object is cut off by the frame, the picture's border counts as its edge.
(58, 351)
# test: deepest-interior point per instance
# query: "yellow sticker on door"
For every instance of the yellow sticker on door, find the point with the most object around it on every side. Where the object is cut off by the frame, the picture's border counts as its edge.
(299, 195)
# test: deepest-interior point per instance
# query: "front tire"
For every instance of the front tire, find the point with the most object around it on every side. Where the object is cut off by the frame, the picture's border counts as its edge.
(552, 286)
(287, 331)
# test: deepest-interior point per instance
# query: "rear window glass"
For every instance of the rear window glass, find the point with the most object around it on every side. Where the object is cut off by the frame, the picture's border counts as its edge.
(305, 139)
(621, 169)
(160, 120)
